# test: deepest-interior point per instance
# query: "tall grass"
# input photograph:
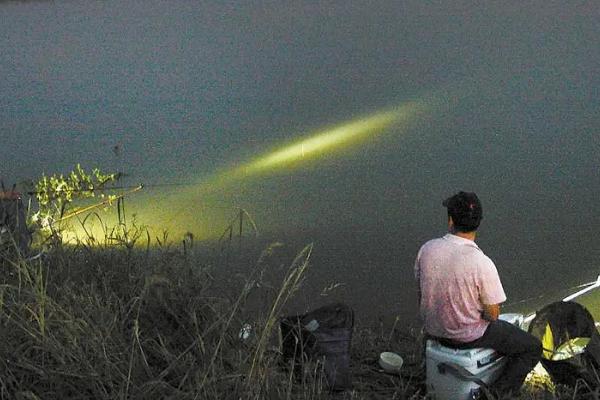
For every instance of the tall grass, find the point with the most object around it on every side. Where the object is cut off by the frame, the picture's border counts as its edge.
(112, 319)
(106, 319)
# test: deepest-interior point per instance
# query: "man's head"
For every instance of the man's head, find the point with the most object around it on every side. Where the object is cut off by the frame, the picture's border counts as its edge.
(465, 210)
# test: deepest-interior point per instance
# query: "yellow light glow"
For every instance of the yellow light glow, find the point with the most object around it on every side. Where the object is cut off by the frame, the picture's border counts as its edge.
(199, 207)
(329, 139)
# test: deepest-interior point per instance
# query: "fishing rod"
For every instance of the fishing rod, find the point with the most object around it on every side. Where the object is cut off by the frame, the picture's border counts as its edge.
(122, 187)
(102, 203)
(590, 286)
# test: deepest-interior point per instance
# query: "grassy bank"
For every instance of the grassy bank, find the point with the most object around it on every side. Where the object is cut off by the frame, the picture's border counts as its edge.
(114, 322)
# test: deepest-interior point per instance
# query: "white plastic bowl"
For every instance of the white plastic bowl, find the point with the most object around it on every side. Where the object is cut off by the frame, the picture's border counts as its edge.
(390, 362)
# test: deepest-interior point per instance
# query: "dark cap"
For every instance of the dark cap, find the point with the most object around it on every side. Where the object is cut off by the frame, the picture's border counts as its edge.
(465, 210)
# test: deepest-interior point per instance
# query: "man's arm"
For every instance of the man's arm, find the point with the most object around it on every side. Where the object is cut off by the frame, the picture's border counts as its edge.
(491, 292)
(490, 312)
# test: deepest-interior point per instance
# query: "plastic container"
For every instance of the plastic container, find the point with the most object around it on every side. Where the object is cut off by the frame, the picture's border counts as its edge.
(390, 362)
(513, 318)
(484, 364)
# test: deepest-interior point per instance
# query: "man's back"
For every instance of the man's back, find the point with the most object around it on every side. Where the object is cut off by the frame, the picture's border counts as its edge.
(460, 294)
(456, 279)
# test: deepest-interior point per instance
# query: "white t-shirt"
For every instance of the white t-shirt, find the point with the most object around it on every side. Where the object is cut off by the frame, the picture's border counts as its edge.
(456, 279)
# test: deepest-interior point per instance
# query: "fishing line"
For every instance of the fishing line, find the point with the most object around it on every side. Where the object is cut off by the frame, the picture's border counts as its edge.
(589, 286)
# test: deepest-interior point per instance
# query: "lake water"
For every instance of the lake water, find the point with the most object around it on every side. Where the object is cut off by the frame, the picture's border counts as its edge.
(190, 93)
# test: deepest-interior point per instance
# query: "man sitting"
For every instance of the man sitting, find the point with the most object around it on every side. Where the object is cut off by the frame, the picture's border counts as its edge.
(460, 295)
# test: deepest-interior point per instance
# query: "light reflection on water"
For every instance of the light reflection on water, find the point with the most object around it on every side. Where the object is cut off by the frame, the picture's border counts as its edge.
(187, 89)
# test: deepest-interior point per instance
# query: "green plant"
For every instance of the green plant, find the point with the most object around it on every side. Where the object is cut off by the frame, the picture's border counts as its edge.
(56, 194)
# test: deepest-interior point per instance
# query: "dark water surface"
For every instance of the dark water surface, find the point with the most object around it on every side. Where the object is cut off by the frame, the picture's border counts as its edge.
(174, 92)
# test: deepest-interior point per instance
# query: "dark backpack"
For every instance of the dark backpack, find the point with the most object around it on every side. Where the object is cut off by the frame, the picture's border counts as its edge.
(322, 334)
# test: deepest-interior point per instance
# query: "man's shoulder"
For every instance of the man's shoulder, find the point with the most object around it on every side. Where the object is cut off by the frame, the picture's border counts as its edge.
(432, 243)
(452, 244)
(482, 260)
(433, 246)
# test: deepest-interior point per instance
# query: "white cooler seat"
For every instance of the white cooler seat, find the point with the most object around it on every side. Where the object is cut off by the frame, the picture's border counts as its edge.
(454, 374)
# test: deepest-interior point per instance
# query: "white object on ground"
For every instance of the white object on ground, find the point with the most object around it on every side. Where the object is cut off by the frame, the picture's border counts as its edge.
(390, 362)
(512, 318)
(312, 326)
(245, 332)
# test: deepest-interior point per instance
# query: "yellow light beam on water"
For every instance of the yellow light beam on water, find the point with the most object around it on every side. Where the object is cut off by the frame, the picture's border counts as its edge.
(328, 140)
(308, 148)
(176, 211)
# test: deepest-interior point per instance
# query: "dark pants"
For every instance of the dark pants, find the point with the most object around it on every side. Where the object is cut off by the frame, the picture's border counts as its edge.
(523, 350)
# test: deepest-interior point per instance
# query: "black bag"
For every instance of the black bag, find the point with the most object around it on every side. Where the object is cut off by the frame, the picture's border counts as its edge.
(324, 333)
(559, 323)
